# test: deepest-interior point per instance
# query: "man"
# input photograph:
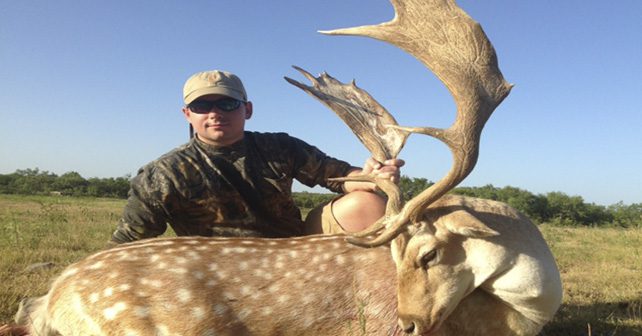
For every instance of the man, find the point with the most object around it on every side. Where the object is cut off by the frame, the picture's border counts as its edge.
(230, 182)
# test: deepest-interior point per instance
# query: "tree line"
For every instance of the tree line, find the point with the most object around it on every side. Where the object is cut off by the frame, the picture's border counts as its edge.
(553, 207)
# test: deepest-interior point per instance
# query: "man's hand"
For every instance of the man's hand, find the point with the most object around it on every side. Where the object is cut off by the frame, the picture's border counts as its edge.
(389, 169)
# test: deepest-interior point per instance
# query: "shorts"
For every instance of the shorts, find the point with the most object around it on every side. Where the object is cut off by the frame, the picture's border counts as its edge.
(322, 220)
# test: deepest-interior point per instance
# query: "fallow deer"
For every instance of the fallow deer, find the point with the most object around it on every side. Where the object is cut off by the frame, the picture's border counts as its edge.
(442, 264)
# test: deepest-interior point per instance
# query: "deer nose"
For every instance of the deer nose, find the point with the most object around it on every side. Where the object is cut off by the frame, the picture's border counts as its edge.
(407, 325)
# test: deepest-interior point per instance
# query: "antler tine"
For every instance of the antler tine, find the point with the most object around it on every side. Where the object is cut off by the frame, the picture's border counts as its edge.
(369, 121)
(454, 46)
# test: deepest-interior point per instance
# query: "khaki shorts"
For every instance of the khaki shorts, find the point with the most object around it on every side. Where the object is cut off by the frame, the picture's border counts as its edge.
(322, 218)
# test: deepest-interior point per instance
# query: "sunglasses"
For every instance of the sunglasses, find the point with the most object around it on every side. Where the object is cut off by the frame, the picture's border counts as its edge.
(205, 106)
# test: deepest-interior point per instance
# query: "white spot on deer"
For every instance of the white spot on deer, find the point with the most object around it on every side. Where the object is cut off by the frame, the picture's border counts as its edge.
(211, 283)
(229, 296)
(178, 270)
(279, 264)
(272, 243)
(161, 265)
(124, 287)
(221, 274)
(194, 255)
(141, 294)
(199, 275)
(169, 250)
(96, 265)
(340, 260)
(130, 332)
(202, 248)
(69, 272)
(220, 309)
(180, 260)
(198, 313)
(283, 299)
(213, 267)
(274, 288)
(108, 291)
(93, 297)
(111, 312)
(308, 298)
(162, 330)
(246, 290)
(141, 312)
(243, 265)
(113, 275)
(265, 311)
(293, 254)
(184, 295)
(183, 248)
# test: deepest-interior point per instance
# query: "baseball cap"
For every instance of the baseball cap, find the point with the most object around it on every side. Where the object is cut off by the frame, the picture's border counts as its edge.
(213, 82)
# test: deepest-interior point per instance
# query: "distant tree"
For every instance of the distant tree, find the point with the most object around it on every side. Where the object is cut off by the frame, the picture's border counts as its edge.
(412, 186)
(628, 216)
(71, 183)
(564, 209)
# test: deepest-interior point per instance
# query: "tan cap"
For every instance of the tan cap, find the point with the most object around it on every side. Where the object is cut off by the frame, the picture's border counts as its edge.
(213, 82)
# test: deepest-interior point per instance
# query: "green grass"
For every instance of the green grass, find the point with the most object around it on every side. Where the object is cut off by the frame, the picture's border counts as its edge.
(601, 268)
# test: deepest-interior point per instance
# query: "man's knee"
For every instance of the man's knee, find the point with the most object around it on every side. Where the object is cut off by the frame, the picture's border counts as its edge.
(358, 210)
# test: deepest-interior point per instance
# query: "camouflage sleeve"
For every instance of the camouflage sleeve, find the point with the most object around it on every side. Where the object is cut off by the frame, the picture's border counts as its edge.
(145, 214)
(314, 167)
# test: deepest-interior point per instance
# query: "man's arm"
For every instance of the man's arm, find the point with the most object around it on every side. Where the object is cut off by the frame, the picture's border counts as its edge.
(144, 216)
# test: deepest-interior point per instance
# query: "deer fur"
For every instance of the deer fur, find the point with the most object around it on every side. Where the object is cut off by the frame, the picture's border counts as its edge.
(493, 274)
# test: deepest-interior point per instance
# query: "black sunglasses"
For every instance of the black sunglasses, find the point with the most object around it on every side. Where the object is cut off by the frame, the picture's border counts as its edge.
(205, 106)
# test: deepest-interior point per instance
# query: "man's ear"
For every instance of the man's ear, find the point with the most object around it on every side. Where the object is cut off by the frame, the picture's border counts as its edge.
(248, 110)
(186, 112)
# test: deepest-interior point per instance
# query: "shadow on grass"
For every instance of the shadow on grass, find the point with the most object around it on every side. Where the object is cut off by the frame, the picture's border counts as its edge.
(600, 319)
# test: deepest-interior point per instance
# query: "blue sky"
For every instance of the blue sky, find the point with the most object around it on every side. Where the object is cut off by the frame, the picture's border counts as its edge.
(95, 86)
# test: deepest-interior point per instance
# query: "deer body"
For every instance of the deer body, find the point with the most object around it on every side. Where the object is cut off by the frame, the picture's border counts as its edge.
(317, 285)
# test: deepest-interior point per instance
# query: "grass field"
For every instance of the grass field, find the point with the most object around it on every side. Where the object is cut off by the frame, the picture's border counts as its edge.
(601, 268)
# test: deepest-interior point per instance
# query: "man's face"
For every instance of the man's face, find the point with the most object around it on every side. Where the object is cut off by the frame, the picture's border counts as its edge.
(218, 127)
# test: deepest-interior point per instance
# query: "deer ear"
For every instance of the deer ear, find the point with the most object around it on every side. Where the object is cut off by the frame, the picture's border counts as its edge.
(464, 223)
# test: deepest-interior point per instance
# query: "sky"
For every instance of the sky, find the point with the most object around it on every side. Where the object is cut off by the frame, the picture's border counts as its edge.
(95, 87)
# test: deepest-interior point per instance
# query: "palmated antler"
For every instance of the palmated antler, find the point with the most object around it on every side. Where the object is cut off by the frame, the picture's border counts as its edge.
(369, 121)
(450, 43)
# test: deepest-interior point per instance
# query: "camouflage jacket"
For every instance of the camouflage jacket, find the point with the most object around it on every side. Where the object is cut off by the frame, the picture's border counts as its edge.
(187, 189)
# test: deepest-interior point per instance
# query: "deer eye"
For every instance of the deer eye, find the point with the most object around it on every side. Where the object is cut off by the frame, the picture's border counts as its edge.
(427, 258)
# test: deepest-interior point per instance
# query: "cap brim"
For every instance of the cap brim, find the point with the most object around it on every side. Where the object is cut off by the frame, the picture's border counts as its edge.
(214, 90)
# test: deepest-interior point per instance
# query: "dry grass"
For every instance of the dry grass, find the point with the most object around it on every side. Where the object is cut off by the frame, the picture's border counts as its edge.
(602, 279)
(601, 268)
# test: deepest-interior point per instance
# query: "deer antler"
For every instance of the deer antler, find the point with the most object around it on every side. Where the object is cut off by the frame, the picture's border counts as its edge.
(450, 43)
(369, 121)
